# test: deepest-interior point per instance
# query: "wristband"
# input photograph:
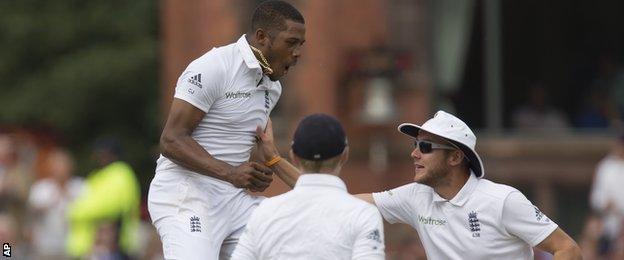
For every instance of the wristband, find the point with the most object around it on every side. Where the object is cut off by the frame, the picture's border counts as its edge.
(273, 161)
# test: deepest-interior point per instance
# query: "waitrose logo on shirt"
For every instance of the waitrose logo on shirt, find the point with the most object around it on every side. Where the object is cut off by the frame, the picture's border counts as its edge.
(237, 94)
(431, 221)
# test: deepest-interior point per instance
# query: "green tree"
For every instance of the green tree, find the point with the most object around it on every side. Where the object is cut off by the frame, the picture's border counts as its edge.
(85, 68)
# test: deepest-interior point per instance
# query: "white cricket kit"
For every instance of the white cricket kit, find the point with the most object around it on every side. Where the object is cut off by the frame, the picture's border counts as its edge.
(318, 219)
(198, 217)
(485, 220)
(606, 189)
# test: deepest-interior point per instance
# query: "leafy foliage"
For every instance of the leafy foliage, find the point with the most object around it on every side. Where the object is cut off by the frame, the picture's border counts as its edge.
(85, 68)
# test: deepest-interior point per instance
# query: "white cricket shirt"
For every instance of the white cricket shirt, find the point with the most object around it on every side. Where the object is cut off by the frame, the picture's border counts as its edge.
(318, 219)
(607, 188)
(228, 84)
(485, 220)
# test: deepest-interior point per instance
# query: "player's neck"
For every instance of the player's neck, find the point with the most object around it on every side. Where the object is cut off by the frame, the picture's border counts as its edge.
(323, 170)
(451, 186)
(262, 60)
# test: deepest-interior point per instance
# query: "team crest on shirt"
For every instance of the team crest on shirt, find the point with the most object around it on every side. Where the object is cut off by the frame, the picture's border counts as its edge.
(473, 223)
(195, 224)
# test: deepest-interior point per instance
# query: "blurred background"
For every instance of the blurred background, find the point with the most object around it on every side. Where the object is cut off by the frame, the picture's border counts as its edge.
(541, 83)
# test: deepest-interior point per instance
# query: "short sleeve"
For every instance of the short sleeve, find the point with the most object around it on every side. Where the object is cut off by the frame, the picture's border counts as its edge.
(395, 205)
(201, 87)
(524, 220)
(369, 243)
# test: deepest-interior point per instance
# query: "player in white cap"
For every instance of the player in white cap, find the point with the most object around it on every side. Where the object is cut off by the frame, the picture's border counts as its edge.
(457, 213)
(197, 199)
(318, 219)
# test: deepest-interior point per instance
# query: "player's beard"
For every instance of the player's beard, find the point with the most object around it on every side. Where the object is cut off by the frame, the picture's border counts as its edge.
(277, 71)
(435, 174)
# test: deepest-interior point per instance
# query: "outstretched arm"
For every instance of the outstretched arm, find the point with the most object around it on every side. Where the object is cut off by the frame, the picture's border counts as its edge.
(561, 246)
(270, 155)
(527, 222)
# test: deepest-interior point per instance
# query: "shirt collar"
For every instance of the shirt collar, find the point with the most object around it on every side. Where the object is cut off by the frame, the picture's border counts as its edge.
(462, 196)
(248, 56)
(320, 180)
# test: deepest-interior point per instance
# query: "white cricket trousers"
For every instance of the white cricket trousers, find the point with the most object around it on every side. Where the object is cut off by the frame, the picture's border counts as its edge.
(196, 216)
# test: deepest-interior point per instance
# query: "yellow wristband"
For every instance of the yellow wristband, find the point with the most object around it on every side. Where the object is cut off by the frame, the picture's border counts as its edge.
(273, 161)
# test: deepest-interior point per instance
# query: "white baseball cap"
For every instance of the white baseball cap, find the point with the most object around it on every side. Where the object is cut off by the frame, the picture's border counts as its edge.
(453, 130)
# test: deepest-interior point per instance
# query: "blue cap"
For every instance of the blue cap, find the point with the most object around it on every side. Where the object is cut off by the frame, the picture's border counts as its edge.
(319, 137)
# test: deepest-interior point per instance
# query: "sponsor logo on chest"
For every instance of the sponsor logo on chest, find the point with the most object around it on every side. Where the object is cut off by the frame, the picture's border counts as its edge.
(237, 95)
(240, 95)
(431, 221)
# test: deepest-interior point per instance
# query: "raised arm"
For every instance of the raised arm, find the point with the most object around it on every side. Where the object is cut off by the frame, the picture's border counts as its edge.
(177, 144)
(270, 155)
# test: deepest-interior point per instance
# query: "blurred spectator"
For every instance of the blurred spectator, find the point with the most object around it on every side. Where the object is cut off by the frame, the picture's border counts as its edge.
(7, 228)
(618, 247)
(589, 240)
(48, 201)
(15, 181)
(8, 234)
(596, 111)
(611, 78)
(152, 247)
(607, 195)
(149, 246)
(106, 245)
(603, 105)
(112, 195)
(537, 114)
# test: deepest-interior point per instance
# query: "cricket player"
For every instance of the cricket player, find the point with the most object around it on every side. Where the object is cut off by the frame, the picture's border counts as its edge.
(457, 213)
(197, 199)
(318, 219)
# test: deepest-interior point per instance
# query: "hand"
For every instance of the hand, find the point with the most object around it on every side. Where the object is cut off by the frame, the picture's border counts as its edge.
(251, 175)
(266, 143)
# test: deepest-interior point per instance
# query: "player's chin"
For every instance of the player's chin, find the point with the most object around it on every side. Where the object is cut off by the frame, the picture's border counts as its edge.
(420, 175)
(279, 73)
(276, 75)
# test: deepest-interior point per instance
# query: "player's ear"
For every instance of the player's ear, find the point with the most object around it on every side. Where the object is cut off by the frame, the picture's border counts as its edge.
(344, 157)
(455, 157)
(293, 158)
(262, 37)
